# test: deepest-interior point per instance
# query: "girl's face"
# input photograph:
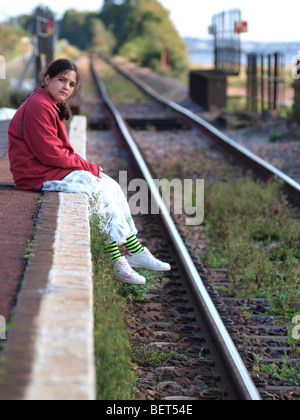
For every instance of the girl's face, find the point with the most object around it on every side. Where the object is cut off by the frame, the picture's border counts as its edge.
(61, 86)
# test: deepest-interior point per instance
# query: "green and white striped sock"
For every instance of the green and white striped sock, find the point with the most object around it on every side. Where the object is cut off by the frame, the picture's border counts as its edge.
(113, 250)
(133, 245)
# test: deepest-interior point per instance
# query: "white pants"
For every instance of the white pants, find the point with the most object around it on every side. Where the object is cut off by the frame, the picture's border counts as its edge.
(106, 198)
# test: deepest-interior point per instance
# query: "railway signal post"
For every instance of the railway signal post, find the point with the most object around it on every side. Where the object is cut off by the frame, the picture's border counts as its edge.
(44, 44)
(209, 88)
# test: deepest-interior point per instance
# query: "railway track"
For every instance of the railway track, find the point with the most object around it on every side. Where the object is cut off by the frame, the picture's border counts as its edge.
(185, 302)
(259, 335)
(216, 342)
(257, 164)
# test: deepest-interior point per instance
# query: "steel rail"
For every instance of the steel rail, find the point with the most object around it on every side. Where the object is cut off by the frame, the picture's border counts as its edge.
(212, 132)
(236, 367)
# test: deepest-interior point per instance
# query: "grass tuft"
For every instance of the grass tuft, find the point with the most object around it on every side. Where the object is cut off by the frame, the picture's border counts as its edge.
(113, 350)
(114, 375)
(253, 232)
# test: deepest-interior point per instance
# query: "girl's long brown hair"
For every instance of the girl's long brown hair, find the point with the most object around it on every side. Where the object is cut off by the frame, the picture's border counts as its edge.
(62, 66)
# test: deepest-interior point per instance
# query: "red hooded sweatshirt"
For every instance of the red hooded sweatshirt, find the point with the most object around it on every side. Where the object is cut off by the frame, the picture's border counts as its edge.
(39, 149)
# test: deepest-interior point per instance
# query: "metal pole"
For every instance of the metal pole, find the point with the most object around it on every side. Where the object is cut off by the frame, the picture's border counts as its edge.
(262, 82)
(269, 82)
(248, 81)
(22, 78)
(275, 81)
(223, 40)
(255, 98)
(238, 43)
(216, 40)
(282, 78)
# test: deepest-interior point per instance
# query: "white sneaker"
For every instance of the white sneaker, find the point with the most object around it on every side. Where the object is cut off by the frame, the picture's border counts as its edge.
(124, 273)
(146, 261)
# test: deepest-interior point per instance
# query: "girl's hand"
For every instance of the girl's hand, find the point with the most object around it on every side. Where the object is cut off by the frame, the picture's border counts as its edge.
(100, 173)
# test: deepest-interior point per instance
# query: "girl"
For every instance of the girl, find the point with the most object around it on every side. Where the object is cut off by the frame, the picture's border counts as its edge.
(42, 159)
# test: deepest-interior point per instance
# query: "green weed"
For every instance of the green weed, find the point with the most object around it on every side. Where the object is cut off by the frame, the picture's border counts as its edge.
(113, 353)
(119, 89)
(286, 372)
(139, 293)
(275, 135)
(148, 356)
(114, 376)
(253, 232)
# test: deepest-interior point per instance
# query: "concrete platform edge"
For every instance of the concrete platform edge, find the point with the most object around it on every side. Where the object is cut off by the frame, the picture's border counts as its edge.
(50, 351)
(63, 366)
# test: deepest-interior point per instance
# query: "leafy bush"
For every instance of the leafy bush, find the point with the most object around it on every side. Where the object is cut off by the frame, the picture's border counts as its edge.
(144, 32)
(87, 31)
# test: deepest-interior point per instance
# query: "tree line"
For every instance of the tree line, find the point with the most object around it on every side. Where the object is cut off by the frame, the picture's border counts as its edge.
(145, 33)
(140, 30)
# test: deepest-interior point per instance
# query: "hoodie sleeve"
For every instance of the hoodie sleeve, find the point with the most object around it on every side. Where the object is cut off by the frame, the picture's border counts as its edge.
(39, 129)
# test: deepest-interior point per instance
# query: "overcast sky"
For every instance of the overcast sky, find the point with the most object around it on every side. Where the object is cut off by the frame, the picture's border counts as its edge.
(268, 20)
